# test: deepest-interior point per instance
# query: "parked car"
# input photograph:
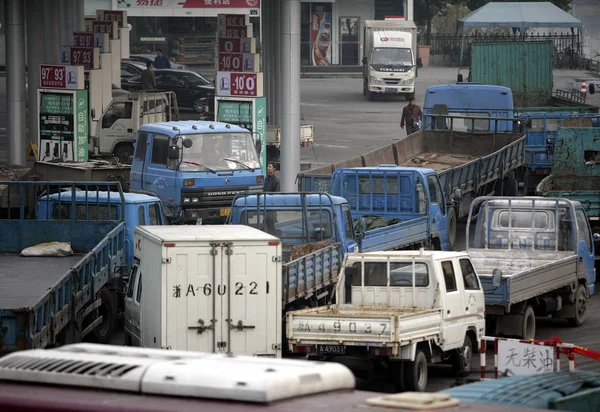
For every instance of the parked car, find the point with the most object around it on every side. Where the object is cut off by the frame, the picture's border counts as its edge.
(190, 88)
(130, 68)
(150, 58)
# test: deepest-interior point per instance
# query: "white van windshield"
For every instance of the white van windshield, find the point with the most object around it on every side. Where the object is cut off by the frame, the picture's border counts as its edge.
(392, 56)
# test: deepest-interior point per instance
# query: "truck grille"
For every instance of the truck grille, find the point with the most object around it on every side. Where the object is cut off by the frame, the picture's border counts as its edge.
(200, 198)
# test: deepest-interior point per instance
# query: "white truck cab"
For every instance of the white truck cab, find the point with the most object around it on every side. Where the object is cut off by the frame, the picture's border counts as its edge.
(404, 309)
(117, 127)
(390, 58)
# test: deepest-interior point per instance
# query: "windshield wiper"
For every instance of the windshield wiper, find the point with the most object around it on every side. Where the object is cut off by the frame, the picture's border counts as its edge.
(208, 169)
(239, 163)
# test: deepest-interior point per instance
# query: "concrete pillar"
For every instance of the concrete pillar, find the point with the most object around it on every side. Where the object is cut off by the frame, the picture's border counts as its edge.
(290, 94)
(51, 39)
(62, 22)
(78, 15)
(276, 62)
(35, 30)
(265, 50)
(68, 12)
(14, 12)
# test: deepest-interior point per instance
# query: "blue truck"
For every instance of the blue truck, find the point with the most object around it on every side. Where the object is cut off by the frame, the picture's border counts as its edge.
(534, 257)
(195, 167)
(53, 300)
(369, 209)
(576, 173)
(473, 150)
(541, 132)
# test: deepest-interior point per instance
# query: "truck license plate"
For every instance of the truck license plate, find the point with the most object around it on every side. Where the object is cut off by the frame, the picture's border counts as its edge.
(390, 90)
(332, 349)
(225, 212)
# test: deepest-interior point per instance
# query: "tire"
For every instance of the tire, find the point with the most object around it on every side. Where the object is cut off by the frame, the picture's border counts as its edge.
(199, 105)
(108, 310)
(528, 325)
(462, 361)
(510, 187)
(398, 376)
(124, 153)
(364, 89)
(451, 228)
(415, 373)
(580, 307)
(370, 95)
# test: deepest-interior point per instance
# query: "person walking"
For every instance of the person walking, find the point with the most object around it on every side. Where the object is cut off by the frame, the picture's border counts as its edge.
(148, 78)
(272, 181)
(161, 61)
(410, 114)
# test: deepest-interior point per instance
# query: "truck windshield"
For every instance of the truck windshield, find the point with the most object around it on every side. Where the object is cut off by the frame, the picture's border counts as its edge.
(289, 224)
(219, 151)
(392, 56)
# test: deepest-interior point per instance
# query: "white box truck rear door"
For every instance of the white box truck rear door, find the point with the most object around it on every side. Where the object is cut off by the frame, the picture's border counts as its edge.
(254, 293)
(193, 303)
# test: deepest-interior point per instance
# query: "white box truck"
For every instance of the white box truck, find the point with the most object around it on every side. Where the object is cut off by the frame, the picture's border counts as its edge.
(390, 58)
(205, 288)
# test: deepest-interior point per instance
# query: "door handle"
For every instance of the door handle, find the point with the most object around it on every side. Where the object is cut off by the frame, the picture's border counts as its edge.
(240, 326)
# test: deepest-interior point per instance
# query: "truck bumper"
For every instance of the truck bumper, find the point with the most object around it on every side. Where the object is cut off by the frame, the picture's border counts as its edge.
(388, 89)
(209, 215)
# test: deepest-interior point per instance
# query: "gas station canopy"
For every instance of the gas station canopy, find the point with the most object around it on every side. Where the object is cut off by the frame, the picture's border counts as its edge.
(519, 15)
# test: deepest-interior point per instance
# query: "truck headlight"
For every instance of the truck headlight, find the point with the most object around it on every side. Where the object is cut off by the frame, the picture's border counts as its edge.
(194, 200)
(186, 200)
(408, 81)
(375, 80)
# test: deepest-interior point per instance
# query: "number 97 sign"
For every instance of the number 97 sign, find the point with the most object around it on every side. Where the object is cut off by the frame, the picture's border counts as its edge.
(239, 84)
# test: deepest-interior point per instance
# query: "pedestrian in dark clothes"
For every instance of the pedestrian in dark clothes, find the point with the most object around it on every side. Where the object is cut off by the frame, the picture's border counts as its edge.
(410, 114)
(161, 61)
(148, 78)
(272, 181)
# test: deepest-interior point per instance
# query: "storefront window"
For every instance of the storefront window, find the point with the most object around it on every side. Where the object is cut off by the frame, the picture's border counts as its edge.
(185, 40)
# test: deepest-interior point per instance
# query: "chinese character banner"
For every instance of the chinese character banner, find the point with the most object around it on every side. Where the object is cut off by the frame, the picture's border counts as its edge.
(190, 4)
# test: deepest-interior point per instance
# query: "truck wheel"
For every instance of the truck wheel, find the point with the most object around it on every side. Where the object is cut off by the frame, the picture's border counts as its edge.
(463, 358)
(370, 95)
(528, 326)
(451, 228)
(580, 306)
(124, 153)
(364, 89)
(510, 187)
(199, 105)
(108, 310)
(415, 373)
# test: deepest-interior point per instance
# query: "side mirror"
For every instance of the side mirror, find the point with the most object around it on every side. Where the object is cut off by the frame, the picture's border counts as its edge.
(459, 78)
(364, 60)
(496, 277)
(258, 146)
(173, 153)
(362, 224)
(457, 194)
(419, 62)
(93, 114)
(596, 237)
(592, 88)
(528, 124)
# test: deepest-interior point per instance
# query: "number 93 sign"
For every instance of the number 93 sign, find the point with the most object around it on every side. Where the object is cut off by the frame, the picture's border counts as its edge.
(239, 84)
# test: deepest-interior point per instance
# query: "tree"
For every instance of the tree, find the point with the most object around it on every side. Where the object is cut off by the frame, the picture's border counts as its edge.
(427, 10)
(475, 4)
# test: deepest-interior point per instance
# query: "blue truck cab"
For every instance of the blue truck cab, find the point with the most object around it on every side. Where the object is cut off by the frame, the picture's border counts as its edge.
(195, 167)
(134, 208)
(469, 100)
(297, 218)
(390, 194)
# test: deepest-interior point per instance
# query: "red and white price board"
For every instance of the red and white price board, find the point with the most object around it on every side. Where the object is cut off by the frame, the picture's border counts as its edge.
(88, 57)
(233, 19)
(231, 45)
(110, 27)
(235, 31)
(238, 62)
(61, 77)
(112, 15)
(240, 84)
(87, 39)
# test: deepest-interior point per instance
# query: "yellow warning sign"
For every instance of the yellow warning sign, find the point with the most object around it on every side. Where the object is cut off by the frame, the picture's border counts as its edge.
(31, 153)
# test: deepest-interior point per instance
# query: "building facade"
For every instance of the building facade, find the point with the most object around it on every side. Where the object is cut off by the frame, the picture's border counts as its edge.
(331, 30)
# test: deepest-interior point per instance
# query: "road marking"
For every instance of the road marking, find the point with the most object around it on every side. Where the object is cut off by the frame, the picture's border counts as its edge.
(332, 145)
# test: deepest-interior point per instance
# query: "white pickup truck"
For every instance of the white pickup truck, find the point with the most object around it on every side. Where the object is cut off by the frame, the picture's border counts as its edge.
(396, 312)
